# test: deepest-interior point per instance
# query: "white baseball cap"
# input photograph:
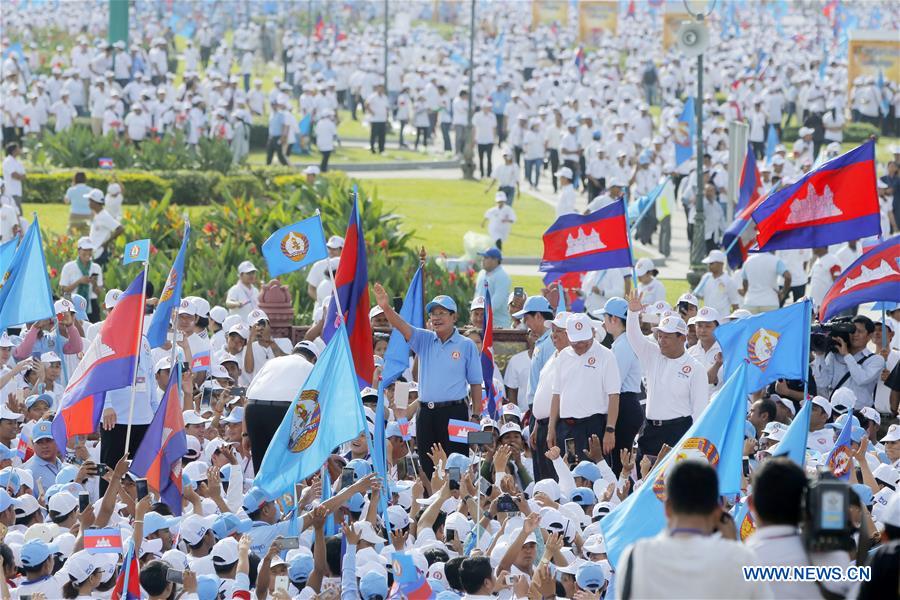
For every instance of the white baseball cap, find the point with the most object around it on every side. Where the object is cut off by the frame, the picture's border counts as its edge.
(644, 266)
(246, 267)
(256, 316)
(707, 314)
(225, 552)
(477, 302)
(578, 328)
(689, 298)
(826, 406)
(671, 324)
(335, 242)
(63, 305)
(112, 298)
(218, 314)
(893, 434)
(85, 243)
(565, 172)
(714, 256)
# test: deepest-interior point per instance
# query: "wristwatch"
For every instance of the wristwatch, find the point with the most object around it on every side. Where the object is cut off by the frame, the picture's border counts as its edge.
(610, 429)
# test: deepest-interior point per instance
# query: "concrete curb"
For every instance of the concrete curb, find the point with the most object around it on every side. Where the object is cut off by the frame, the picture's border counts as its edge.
(388, 166)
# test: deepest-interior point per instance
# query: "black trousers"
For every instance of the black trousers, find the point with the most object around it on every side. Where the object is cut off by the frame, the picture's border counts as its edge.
(628, 424)
(554, 165)
(377, 135)
(665, 432)
(323, 166)
(543, 468)
(580, 430)
(273, 146)
(485, 150)
(261, 422)
(445, 134)
(112, 445)
(431, 428)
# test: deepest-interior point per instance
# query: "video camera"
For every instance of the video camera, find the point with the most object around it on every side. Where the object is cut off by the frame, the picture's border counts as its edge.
(826, 515)
(822, 337)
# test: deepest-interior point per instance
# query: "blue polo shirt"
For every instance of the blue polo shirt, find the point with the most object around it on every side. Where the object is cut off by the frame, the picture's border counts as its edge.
(543, 350)
(446, 369)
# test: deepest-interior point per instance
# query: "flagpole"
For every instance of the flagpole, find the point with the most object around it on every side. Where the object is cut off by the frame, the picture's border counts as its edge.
(648, 207)
(630, 252)
(137, 357)
(883, 330)
(334, 294)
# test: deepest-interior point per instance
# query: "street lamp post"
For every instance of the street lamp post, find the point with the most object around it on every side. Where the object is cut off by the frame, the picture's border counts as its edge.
(468, 165)
(385, 46)
(698, 241)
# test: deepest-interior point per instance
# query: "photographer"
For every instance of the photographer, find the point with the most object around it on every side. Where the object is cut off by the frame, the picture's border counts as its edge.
(779, 487)
(855, 366)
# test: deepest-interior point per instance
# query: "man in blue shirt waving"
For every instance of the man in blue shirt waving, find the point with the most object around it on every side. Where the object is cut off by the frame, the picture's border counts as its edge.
(449, 374)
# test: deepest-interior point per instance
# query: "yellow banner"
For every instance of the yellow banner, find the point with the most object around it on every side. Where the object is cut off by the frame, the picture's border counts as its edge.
(545, 12)
(869, 57)
(596, 19)
(671, 23)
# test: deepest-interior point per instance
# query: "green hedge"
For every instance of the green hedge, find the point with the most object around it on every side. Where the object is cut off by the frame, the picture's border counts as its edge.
(854, 133)
(187, 187)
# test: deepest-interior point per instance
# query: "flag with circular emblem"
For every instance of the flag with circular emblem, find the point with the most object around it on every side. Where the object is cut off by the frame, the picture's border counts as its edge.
(294, 246)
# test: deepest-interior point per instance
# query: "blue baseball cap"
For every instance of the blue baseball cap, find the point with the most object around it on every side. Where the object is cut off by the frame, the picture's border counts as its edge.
(300, 568)
(361, 468)
(35, 552)
(839, 422)
(6, 500)
(749, 430)
(590, 576)
(153, 522)
(229, 523)
(207, 587)
(80, 304)
(534, 304)
(255, 498)
(392, 429)
(42, 430)
(372, 584)
(355, 503)
(615, 306)
(587, 470)
(7, 453)
(492, 253)
(32, 399)
(856, 434)
(458, 461)
(443, 301)
(235, 416)
(67, 474)
(583, 496)
(10, 479)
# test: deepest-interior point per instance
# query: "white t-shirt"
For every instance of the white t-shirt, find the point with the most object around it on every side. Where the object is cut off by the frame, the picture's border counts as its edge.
(136, 125)
(12, 165)
(102, 226)
(822, 276)
(325, 132)
(543, 393)
(719, 292)
(378, 107)
(585, 382)
(500, 221)
(652, 292)
(70, 273)
(247, 296)
(761, 272)
(485, 125)
(518, 369)
(794, 261)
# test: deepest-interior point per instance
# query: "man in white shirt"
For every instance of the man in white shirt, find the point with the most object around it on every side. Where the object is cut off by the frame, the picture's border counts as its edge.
(243, 296)
(677, 385)
(104, 228)
(689, 556)
(716, 287)
(824, 270)
(795, 261)
(499, 220)
(13, 174)
(567, 195)
(84, 277)
(136, 125)
(760, 282)
(326, 132)
(855, 366)
(707, 350)
(484, 122)
(318, 270)
(377, 107)
(543, 396)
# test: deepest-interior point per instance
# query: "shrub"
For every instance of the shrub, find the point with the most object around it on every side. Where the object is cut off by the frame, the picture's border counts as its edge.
(140, 186)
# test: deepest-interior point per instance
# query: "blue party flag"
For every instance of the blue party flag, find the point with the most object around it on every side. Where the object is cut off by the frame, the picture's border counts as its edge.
(7, 251)
(774, 345)
(716, 437)
(294, 246)
(136, 251)
(25, 293)
(169, 297)
(840, 459)
(771, 142)
(793, 444)
(684, 133)
(326, 413)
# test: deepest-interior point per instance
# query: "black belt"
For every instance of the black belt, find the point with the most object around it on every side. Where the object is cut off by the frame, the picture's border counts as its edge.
(268, 402)
(676, 421)
(573, 421)
(434, 405)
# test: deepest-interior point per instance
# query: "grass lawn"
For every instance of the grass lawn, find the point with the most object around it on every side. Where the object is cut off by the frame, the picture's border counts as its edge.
(54, 216)
(534, 284)
(462, 205)
(349, 155)
(348, 129)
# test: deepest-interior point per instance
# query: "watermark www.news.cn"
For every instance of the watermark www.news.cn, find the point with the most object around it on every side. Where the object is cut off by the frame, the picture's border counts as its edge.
(807, 573)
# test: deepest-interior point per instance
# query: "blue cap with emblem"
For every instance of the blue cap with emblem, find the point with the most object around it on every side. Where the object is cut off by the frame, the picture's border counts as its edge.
(6, 500)
(492, 253)
(442, 301)
(35, 552)
(80, 304)
(207, 587)
(229, 523)
(534, 304)
(360, 467)
(255, 498)
(41, 431)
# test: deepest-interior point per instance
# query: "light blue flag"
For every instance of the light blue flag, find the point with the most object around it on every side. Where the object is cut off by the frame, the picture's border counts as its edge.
(325, 414)
(642, 205)
(840, 459)
(685, 132)
(170, 296)
(717, 437)
(885, 104)
(136, 251)
(294, 246)
(25, 295)
(7, 251)
(774, 345)
(793, 444)
(305, 125)
(396, 361)
(743, 519)
(771, 142)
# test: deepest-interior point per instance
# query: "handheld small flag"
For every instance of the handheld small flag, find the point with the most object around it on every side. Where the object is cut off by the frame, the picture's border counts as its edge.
(25, 293)
(793, 444)
(738, 238)
(587, 242)
(771, 142)
(7, 251)
(840, 459)
(103, 541)
(294, 246)
(873, 276)
(128, 583)
(833, 203)
(459, 430)
(136, 251)
(409, 581)
(685, 131)
(487, 354)
(170, 296)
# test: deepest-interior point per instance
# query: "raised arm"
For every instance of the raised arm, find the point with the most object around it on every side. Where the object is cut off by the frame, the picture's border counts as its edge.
(396, 321)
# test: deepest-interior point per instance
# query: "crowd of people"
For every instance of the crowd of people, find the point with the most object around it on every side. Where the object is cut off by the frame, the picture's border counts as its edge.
(586, 409)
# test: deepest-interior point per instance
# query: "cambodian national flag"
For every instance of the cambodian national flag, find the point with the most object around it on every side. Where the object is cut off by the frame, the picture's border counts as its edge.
(588, 242)
(579, 61)
(873, 276)
(170, 297)
(158, 458)
(742, 227)
(487, 356)
(834, 203)
(351, 283)
(128, 584)
(107, 365)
